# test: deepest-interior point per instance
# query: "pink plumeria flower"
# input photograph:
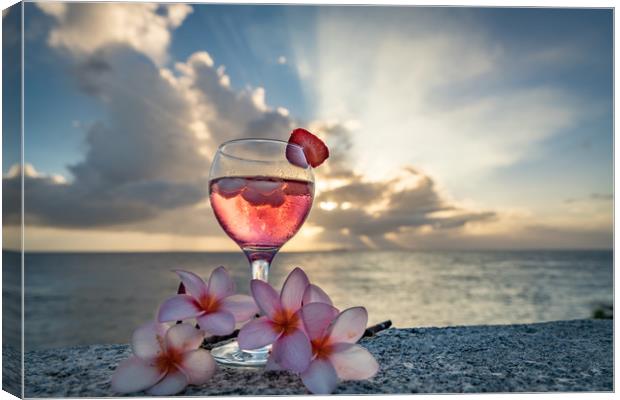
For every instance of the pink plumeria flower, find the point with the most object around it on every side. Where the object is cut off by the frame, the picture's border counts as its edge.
(280, 324)
(335, 354)
(312, 294)
(214, 305)
(164, 361)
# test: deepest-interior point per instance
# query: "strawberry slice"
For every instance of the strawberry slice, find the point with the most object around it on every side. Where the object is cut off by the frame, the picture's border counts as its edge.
(298, 189)
(256, 198)
(315, 151)
(262, 193)
(229, 187)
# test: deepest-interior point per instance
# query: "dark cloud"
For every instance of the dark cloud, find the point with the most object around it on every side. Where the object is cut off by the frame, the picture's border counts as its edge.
(340, 142)
(399, 208)
(140, 160)
(592, 196)
(144, 158)
(357, 191)
(48, 202)
(88, 73)
(145, 136)
(601, 196)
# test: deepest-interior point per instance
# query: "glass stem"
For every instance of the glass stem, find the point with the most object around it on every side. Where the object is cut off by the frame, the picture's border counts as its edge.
(260, 261)
(260, 270)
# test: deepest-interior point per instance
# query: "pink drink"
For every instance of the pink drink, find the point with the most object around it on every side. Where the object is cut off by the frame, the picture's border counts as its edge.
(259, 211)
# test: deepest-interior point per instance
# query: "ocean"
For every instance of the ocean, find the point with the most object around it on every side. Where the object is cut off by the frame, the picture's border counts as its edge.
(86, 298)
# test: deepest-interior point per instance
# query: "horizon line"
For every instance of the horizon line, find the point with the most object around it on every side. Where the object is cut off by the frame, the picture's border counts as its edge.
(304, 251)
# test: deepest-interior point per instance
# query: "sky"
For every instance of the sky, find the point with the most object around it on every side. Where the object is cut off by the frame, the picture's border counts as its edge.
(448, 128)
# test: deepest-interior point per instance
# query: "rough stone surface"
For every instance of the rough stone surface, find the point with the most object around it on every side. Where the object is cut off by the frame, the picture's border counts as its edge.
(554, 356)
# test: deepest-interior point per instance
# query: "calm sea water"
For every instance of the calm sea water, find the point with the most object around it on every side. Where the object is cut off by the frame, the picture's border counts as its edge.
(74, 299)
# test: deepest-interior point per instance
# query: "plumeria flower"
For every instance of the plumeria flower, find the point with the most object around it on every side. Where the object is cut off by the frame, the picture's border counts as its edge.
(165, 360)
(335, 354)
(312, 294)
(281, 323)
(214, 305)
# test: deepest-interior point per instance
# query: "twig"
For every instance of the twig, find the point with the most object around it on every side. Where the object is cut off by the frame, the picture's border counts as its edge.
(181, 290)
(217, 339)
(370, 331)
(373, 330)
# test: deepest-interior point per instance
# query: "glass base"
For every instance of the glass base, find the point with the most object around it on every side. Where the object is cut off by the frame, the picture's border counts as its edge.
(231, 354)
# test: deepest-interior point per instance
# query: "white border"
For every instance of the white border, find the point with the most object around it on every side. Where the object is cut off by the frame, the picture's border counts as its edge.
(478, 3)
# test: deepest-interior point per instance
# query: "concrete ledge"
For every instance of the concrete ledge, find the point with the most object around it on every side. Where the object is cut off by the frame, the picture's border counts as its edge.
(554, 356)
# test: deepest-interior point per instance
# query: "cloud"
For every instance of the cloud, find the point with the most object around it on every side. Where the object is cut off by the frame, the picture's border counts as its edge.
(376, 212)
(50, 201)
(150, 154)
(601, 196)
(593, 196)
(339, 138)
(84, 28)
(281, 60)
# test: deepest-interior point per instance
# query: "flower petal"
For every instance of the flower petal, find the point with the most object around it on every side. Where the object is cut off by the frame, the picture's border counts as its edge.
(220, 284)
(179, 307)
(266, 297)
(198, 365)
(294, 351)
(349, 326)
(293, 289)
(272, 365)
(353, 362)
(193, 283)
(241, 306)
(183, 337)
(320, 377)
(134, 375)
(174, 382)
(316, 318)
(146, 341)
(256, 334)
(315, 294)
(217, 323)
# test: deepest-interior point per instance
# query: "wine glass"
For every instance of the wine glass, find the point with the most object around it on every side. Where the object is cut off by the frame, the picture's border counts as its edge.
(260, 199)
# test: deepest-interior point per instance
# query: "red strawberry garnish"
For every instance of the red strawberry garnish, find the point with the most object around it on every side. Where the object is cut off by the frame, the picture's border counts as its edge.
(315, 151)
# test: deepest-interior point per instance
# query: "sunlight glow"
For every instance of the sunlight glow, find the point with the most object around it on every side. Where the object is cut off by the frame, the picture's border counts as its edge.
(328, 205)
